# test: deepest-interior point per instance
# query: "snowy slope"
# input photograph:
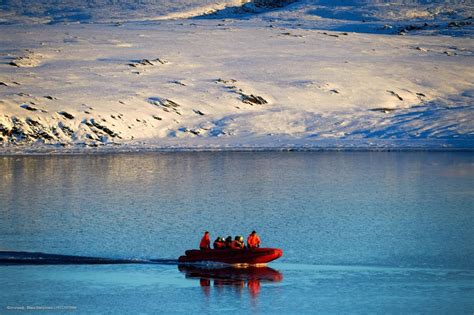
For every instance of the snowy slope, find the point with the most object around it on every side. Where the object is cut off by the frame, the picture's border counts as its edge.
(401, 17)
(102, 11)
(252, 79)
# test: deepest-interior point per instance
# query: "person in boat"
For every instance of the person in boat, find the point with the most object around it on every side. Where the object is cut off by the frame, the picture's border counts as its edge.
(238, 243)
(228, 242)
(253, 240)
(205, 241)
(219, 243)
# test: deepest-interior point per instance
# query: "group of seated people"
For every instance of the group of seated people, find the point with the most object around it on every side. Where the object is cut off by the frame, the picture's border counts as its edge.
(253, 241)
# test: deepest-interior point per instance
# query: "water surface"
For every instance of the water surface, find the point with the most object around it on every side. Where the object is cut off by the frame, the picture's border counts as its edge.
(360, 231)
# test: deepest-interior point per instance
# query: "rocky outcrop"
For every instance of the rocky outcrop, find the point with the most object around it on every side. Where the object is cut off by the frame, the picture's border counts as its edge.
(30, 59)
(271, 3)
(253, 99)
(165, 104)
(147, 62)
(25, 131)
(247, 98)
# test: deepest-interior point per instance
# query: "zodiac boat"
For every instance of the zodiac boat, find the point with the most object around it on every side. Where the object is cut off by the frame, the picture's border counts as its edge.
(254, 256)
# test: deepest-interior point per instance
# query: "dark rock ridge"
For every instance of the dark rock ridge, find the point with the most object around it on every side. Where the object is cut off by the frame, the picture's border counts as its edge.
(147, 62)
(271, 3)
(252, 7)
(249, 99)
(14, 130)
(66, 114)
(105, 129)
(253, 99)
(165, 104)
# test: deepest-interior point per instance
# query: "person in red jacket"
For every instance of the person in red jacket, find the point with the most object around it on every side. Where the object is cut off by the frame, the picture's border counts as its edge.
(205, 241)
(219, 243)
(253, 240)
(228, 241)
(238, 243)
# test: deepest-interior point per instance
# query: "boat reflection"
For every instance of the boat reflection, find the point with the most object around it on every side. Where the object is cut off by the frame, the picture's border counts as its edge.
(237, 278)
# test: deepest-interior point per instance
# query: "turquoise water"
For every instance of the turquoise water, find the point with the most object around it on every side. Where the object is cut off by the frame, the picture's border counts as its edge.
(361, 231)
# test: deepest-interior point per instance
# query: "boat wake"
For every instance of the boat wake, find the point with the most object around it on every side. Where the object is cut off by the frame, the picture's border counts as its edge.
(37, 258)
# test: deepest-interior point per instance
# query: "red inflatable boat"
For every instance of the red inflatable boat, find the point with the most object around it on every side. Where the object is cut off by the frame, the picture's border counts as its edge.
(254, 256)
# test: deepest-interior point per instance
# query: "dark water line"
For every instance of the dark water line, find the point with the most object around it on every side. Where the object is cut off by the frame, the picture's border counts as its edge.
(38, 258)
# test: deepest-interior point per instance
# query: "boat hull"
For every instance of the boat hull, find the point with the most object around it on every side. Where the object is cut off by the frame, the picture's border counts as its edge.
(253, 256)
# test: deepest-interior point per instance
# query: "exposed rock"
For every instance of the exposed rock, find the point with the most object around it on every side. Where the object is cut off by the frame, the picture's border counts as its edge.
(198, 112)
(66, 130)
(271, 3)
(147, 62)
(178, 82)
(385, 110)
(32, 122)
(415, 27)
(28, 107)
(42, 134)
(4, 130)
(92, 137)
(27, 132)
(250, 99)
(328, 34)
(395, 94)
(9, 84)
(165, 104)
(66, 114)
(253, 99)
(459, 23)
(226, 81)
(292, 35)
(192, 131)
(421, 49)
(29, 60)
(93, 123)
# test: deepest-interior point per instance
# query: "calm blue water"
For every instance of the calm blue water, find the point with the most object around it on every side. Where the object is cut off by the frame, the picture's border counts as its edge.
(361, 231)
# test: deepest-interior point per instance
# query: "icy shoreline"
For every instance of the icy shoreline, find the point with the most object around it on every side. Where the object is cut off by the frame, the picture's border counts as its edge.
(322, 146)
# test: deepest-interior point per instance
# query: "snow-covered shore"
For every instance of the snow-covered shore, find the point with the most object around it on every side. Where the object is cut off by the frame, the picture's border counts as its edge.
(223, 81)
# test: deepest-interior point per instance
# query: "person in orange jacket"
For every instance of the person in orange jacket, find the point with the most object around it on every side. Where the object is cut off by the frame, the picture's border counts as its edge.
(205, 241)
(253, 240)
(238, 243)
